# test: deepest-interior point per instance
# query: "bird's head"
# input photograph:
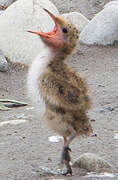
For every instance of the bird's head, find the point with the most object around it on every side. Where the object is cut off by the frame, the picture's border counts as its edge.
(63, 37)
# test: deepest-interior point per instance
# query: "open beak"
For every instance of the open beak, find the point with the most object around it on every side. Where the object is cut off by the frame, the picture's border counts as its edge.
(50, 34)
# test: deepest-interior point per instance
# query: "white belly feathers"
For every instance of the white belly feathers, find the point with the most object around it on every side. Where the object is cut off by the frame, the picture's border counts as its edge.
(37, 68)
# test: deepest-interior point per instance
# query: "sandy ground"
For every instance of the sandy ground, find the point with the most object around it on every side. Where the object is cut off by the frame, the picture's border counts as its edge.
(25, 147)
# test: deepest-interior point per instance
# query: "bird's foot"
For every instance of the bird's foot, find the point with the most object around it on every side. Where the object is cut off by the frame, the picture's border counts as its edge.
(65, 159)
(68, 170)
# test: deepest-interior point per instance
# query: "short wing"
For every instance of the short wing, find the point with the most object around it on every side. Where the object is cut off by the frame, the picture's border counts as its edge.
(64, 94)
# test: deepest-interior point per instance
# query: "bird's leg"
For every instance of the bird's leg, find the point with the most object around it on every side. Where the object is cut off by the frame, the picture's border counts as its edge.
(65, 159)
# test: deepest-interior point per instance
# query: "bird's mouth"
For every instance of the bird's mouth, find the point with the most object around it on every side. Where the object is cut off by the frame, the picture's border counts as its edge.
(49, 34)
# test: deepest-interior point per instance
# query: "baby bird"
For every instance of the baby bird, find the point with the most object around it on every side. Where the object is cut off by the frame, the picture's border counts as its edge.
(58, 88)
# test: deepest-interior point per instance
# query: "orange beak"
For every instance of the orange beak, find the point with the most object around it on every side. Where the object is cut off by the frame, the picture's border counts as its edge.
(50, 34)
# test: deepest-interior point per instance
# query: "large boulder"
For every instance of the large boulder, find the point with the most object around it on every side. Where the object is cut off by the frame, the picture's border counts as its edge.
(77, 19)
(111, 3)
(23, 15)
(103, 28)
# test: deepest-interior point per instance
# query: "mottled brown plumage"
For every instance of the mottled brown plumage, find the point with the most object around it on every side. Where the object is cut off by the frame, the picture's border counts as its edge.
(66, 90)
(63, 90)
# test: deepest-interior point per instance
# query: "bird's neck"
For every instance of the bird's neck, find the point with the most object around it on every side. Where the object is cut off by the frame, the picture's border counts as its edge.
(48, 59)
(58, 56)
(57, 61)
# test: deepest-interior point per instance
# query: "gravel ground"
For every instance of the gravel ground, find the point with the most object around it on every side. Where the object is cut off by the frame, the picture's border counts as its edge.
(25, 147)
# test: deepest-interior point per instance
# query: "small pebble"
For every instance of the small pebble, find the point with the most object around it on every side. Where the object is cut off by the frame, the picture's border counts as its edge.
(3, 63)
(102, 111)
(12, 122)
(94, 135)
(29, 108)
(116, 136)
(23, 137)
(93, 120)
(1, 11)
(110, 108)
(55, 139)
(20, 116)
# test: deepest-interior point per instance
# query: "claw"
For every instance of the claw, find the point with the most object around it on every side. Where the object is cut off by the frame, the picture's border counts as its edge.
(68, 171)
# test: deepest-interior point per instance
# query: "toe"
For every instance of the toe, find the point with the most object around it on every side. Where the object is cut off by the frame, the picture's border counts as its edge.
(68, 171)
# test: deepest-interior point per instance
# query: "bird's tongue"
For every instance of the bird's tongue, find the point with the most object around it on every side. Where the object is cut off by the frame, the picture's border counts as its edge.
(49, 34)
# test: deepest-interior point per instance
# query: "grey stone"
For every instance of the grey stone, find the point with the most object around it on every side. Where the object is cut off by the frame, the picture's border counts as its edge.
(3, 63)
(103, 28)
(111, 3)
(93, 163)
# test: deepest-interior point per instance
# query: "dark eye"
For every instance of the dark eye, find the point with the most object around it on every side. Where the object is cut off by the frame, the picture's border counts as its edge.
(64, 30)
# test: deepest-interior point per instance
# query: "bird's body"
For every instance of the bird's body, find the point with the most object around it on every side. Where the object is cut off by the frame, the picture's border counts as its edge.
(62, 93)
(59, 88)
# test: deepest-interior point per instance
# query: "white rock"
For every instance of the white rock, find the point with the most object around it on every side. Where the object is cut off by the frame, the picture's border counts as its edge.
(93, 163)
(102, 29)
(77, 19)
(111, 3)
(1, 12)
(55, 139)
(6, 3)
(15, 42)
